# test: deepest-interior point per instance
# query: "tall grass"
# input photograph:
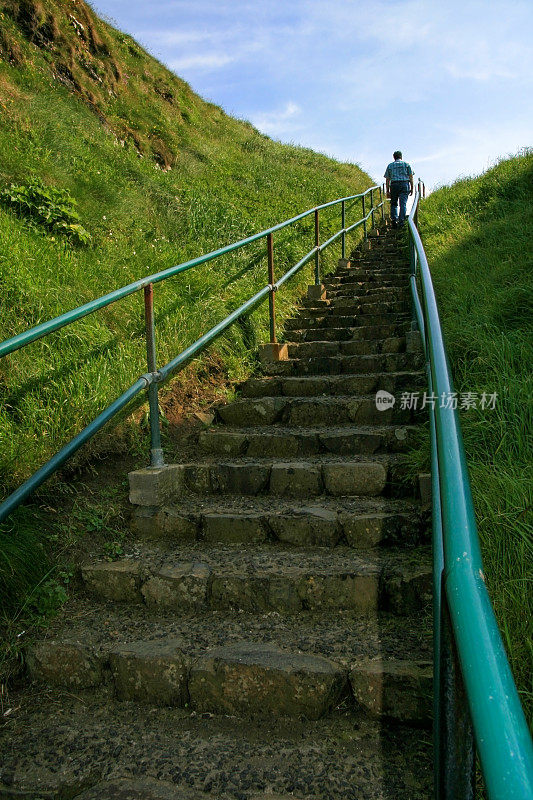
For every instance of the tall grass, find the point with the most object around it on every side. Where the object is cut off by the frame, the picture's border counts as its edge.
(477, 234)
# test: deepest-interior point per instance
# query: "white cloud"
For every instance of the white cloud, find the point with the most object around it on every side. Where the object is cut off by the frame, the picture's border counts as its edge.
(279, 121)
(201, 61)
(481, 61)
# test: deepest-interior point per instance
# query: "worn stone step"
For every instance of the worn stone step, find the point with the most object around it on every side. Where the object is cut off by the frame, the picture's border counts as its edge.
(374, 273)
(364, 288)
(392, 344)
(326, 331)
(290, 442)
(309, 315)
(242, 664)
(360, 293)
(342, 328)
(361, 523)
(372, 278)
(357, 306)
(58, 755)
(376, 263)
(325, 410)
(335, 365)
(345, 307)
(349, 321)
(369, 279)
(313, 303)
(264, 578)
(312, 385)
(296, 477)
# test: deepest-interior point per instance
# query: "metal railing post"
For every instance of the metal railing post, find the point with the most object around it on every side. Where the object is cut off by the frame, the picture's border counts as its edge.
(381, 203)
(343, 225)
(372, 207)
(456, 778)
(364, 218)
(156, 451)
(412, 261)
(271, 296)
(317, 245)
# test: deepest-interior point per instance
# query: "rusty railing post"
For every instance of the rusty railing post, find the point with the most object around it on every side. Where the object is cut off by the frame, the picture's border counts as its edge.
(364, 217)
(156, 451)
(381, 204)
(271, 296)
(317, 253)
(372, 207)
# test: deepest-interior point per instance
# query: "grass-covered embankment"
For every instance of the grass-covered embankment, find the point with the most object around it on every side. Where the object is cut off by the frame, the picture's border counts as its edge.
(157, 176)
(477, 234)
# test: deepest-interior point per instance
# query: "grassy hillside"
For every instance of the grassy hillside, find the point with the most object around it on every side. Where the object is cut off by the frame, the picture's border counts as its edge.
(477, 234)
(157, 176)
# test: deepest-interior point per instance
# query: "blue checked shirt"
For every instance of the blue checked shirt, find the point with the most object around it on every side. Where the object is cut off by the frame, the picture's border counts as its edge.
(398, 171)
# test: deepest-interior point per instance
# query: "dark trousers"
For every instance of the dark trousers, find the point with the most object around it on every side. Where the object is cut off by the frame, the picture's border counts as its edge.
(399, 191)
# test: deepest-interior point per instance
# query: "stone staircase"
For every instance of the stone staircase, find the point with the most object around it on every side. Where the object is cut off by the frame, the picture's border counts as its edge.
(268, 635)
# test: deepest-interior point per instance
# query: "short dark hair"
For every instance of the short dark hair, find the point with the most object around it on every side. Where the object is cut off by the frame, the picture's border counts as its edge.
(397, 154)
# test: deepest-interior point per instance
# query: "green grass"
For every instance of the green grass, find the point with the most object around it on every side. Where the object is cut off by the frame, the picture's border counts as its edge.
(157, 177)
(477, 234)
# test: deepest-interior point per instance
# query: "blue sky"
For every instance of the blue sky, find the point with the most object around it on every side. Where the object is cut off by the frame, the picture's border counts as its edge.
(449, 83)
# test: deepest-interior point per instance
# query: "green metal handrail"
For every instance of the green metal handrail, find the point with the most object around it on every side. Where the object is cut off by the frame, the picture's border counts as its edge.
(463, 615)
(22, 339)
(150, 380)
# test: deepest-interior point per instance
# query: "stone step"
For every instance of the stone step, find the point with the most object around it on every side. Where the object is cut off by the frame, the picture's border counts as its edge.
(375, 273)
(264, 578)
(376, 261)
(336, 365)
(308, 315)
(363, 287)
(342, 276)
(345, 328)
(356, 304)
(312, 385)
(368, 295)
(328, 333)
(310, 477)
(361, 523)
(293, 442)
(343, 304)
(371, 278)
(350, 321)
(333, 758)
(361, 293)
(328, 411)
(268, 665)
(393, 344)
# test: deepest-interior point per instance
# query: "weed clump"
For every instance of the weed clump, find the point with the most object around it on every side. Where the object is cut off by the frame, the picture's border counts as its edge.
(46, 207)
